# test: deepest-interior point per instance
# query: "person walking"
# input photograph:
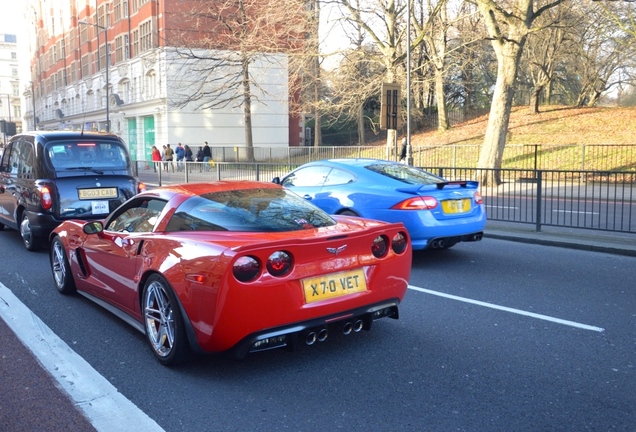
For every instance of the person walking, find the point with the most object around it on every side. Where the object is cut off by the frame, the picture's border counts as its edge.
(168, 154)
(155, 155)
(179, 152)
(200, 158)
(187, 154)
(207, 155)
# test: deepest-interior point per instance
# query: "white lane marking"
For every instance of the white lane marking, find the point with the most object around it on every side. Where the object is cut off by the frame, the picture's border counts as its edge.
(575, 212)
(511, 310)
(106, 408)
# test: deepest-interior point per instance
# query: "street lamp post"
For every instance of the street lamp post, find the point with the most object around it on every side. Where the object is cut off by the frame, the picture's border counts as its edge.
(105, 29)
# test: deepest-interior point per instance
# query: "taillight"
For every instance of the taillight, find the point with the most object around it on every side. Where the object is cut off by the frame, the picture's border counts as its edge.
(45, 197)
(141, 187)
(478, 199)
(379, 247)
(246, 268)
(279, 263)
(417, 203)
(398, 243)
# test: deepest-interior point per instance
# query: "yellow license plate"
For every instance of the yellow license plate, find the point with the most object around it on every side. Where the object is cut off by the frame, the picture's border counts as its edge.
(85, 194)
(334, 285)
(456, 206)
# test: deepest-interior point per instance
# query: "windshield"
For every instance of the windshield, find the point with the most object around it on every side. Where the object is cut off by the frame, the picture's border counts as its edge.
(405, 173)
(70, 155)
(255, 210)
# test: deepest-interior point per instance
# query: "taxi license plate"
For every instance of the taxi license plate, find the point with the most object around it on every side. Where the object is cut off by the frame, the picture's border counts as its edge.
(89, 194)
(456, 206)
(334, 285)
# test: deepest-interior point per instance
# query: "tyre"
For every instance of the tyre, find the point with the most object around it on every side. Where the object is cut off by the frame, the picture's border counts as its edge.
(31, 242)
(163, 322)
(349, 213)
(61, 268)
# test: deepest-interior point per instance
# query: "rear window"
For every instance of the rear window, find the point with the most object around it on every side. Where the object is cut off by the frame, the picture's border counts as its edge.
(93, 154)
(405, 173)
(254, 210)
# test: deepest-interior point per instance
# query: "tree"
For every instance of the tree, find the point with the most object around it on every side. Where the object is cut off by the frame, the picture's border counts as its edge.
(221, 43)
(508, 23)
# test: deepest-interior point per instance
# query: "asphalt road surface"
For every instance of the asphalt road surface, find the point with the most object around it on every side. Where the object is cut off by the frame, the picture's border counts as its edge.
(492, 336)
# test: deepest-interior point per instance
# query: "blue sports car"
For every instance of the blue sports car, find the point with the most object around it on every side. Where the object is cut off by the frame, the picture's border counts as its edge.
(437, 213)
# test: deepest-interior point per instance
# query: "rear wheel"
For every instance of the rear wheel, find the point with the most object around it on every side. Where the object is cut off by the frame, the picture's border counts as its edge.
(31, 242)
(349, 213)
(61, 268)
(163, 322)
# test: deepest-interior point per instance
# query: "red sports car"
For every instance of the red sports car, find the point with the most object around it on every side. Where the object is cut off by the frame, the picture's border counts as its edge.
(233, 267)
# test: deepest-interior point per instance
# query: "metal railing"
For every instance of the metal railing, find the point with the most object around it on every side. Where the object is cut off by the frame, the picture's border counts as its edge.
(597, 200)
(584, 157)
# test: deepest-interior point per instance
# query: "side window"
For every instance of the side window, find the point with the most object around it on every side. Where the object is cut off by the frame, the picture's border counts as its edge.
(140, 216)
(27, 160)
(339, 177)
(5, 167)
(307, 177)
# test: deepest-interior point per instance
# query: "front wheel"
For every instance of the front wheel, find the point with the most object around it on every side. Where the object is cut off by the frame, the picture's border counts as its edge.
(163, 322)
(31, 242)
(61, 268)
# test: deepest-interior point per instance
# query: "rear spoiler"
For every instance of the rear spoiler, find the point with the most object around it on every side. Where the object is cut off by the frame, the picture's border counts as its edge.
(415, 189)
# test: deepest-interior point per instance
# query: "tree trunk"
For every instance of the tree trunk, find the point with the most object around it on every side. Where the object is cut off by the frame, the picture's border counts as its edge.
(361, 137)
(534, 98)
(442, 114)
(247, 111)
(491, 155)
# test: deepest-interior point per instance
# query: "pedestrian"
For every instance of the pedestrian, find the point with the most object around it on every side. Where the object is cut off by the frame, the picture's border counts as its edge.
(404, 149)
(207, 155)
(180, 154)
(187, 154)
(200, 158)
(155, 155)
(168, 154)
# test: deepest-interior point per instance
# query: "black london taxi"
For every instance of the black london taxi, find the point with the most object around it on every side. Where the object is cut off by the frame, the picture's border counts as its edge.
(47, 177)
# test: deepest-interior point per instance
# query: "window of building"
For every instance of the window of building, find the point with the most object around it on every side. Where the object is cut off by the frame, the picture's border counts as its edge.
(15, 89)
(85, 63)
(135, 43)
(145, 35)
(117, 10)
(101, 64)
(151, 84)
(14, 56)
(84, 33)
(17, 112)
(124, 8)
(119, 49)
(14, 72)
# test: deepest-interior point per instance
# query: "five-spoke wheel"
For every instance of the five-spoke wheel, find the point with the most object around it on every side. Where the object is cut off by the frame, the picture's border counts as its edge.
(163, 321)
(62, 276)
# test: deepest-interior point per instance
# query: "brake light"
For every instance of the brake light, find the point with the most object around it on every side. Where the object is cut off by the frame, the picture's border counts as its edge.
(417, 203)
(45, 197)
(379, 247)
(478, 199)
(279, 263)
(399, 242)
(141, 187)
(246, 268)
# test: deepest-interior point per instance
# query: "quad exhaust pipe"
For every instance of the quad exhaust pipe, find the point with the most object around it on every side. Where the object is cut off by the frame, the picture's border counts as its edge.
(313, 336)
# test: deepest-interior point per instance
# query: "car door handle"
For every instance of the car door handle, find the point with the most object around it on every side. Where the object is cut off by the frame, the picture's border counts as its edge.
(307, 197)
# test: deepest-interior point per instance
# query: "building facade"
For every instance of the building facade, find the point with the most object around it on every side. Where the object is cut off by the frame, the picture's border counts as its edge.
(10, 104)
(111, 65)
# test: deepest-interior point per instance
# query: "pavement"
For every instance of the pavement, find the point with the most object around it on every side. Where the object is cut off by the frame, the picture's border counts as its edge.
(33, 398)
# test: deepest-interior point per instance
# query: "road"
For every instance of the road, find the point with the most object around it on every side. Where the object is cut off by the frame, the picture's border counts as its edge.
(493, 336)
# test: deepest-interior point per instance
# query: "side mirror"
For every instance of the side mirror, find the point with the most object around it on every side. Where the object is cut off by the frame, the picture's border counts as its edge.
(276, 180)
(94, 227)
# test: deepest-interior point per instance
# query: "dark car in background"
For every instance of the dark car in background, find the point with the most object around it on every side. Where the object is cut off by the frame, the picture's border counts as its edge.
(47, 177)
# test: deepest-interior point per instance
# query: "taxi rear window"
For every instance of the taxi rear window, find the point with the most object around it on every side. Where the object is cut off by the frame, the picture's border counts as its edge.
(93, 154)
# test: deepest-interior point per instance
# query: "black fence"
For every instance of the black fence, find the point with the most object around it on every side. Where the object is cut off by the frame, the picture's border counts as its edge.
(594, 200)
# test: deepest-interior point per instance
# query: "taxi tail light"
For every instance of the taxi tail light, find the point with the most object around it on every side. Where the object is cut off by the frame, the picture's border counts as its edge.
(141, 187)
(46, 197)
(380, 246)
(279, 263)
(478, 199)
(399, 243)
(417, 203)
(246, 268)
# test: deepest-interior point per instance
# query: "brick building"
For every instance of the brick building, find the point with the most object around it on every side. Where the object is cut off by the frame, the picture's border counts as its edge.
(82, 50)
